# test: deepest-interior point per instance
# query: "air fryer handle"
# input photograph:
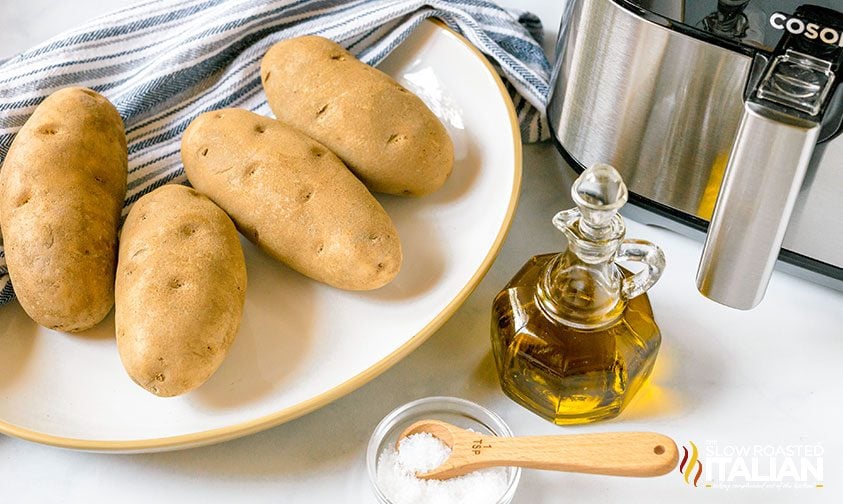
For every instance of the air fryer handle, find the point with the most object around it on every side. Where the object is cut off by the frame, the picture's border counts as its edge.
(779, 129)
(766, 169)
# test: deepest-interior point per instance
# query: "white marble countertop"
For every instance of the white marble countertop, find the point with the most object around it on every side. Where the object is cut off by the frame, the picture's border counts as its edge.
(762, 378)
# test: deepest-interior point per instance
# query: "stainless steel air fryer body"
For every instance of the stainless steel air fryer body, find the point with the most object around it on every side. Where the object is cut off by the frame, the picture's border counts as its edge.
(658, 93)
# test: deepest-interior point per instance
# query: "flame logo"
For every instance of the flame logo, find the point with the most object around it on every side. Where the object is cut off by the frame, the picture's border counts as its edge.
(686, 467)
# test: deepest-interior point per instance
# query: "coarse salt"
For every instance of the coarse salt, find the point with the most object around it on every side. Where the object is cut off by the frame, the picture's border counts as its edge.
(422, 452)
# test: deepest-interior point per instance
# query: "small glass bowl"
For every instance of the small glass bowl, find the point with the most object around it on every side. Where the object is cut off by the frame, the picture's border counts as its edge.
(459, 412)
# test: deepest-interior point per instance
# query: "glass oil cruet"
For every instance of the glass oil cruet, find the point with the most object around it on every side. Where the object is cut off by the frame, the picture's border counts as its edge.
(573, 333)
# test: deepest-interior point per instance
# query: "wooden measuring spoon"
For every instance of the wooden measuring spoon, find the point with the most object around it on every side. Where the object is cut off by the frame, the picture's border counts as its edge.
(611, 453)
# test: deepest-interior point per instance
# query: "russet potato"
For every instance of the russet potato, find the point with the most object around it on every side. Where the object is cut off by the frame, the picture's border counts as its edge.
(293, 198)
(62, 188)
(180, 290)
(385, 134)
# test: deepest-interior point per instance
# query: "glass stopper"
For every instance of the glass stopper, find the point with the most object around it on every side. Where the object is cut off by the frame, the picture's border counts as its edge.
(599, 193)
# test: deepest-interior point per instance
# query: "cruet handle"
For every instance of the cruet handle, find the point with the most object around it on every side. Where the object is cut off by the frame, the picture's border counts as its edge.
(643, 252)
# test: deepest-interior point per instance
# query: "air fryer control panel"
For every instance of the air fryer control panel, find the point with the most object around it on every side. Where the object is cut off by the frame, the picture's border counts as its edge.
(754, 24)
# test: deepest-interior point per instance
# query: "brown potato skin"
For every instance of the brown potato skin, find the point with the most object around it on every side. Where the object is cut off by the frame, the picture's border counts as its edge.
(385, 134)
(292, 197)
(62, 188)
(180, 289)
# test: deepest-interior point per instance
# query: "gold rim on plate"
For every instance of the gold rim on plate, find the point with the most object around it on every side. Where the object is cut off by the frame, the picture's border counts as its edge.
(241, 429)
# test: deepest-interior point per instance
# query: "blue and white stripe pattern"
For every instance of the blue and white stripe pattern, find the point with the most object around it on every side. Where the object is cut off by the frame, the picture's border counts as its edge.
(164, 62)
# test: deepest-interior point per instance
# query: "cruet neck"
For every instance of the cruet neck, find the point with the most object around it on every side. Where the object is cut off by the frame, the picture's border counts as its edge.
(594, 228)
(580, 295)
(583, 286)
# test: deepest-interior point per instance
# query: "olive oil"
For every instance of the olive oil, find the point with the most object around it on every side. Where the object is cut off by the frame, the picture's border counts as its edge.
(573, 334)
(565, 374)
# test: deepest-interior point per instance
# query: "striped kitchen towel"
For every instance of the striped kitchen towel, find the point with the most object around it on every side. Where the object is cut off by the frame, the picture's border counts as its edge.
(164, 62)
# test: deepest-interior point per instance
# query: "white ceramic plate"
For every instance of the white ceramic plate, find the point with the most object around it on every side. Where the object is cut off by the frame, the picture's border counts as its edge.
(301, 344)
